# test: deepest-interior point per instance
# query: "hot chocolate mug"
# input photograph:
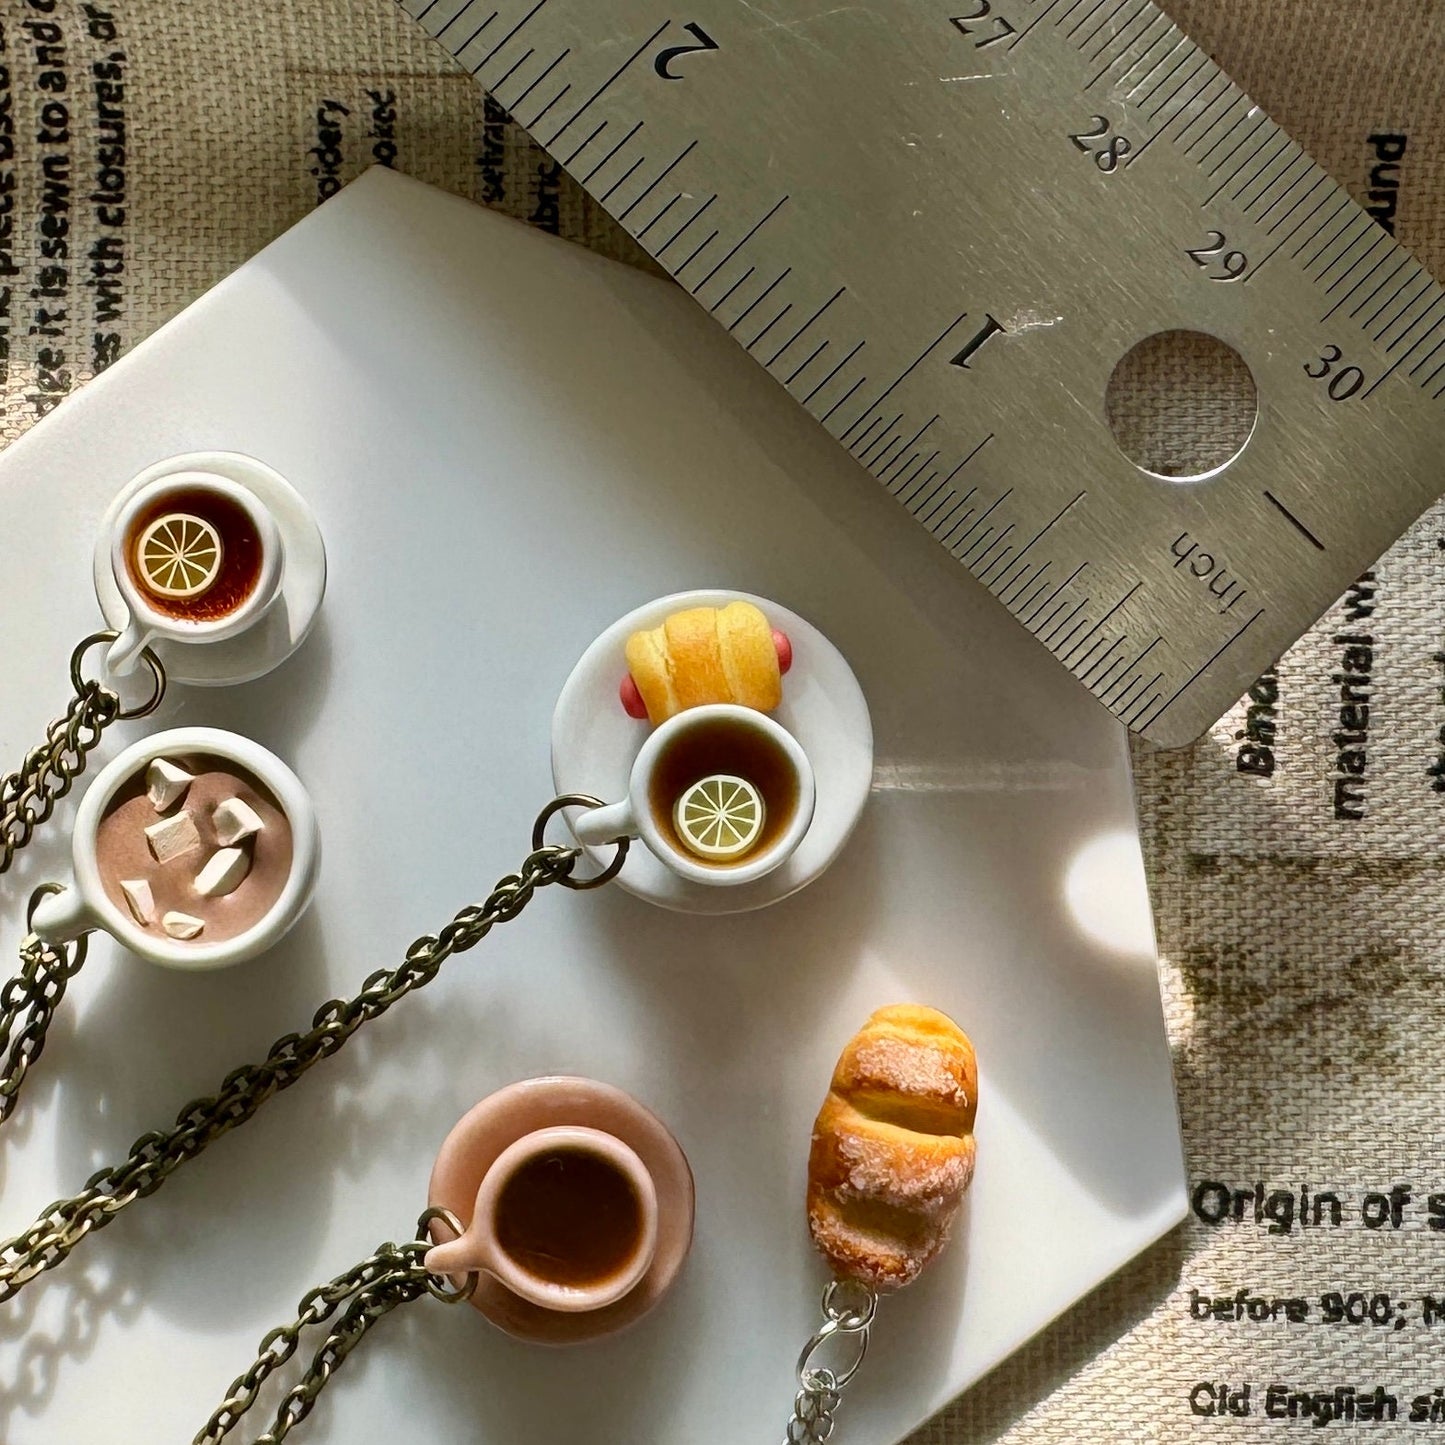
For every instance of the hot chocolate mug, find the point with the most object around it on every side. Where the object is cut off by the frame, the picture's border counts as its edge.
(194, 847)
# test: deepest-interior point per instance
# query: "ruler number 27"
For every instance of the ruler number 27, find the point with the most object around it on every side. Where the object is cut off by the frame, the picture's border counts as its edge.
(997, 28)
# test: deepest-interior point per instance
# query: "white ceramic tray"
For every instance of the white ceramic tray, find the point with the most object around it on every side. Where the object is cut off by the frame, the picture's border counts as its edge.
(511, 443)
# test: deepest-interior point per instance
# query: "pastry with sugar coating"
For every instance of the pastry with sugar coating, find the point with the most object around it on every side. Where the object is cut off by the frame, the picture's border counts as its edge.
(704, 655)
(893, 1146)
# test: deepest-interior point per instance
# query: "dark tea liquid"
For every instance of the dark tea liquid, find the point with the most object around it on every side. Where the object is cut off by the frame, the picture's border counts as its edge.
(240, 554)
(721, 745)
(570, 1218)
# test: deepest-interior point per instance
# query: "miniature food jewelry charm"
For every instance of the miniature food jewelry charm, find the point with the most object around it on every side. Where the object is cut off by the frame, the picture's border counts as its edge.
(720, 794)
(755, 768)
(893, 1147)
(566, 1214)
(575, 1206)
(209, 569)
(891, 1159)
(195, 848)
(705, 654)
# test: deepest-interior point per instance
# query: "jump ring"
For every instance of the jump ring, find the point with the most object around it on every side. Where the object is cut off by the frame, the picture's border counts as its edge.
(433, 1281)
(811, 1376)
(158, 674)
(860, 1315)
(539, 840)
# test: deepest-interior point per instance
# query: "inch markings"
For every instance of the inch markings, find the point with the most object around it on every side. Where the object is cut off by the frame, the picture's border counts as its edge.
(898, 296)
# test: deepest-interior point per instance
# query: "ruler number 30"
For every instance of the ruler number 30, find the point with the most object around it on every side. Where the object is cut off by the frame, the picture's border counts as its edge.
(1342, 384)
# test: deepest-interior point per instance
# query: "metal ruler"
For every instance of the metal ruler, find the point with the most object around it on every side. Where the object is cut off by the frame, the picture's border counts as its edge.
(941, 223)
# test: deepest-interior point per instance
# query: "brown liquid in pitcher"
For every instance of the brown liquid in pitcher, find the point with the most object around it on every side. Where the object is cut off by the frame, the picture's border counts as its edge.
(240, 554)
(570, 1218)
(722, 746)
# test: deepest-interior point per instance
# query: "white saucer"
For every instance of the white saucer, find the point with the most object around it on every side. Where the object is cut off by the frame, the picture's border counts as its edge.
(283, 626)
(594, 743)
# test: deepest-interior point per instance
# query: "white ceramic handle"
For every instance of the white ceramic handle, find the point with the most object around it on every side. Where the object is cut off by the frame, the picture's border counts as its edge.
(599, 826)
(124, 653)
(62, 917)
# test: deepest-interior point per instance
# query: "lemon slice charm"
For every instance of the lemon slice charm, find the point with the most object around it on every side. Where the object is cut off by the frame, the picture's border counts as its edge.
(720, 817)
(179, 555)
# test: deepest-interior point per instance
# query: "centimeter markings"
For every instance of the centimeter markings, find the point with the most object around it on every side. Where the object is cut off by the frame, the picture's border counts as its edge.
(1174, 94)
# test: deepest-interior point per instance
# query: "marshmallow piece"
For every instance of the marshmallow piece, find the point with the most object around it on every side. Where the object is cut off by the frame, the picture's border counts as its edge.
(224, 871)
(182, 925)
(173, 836)
(166, 783)
(139, 899)
(234, 821)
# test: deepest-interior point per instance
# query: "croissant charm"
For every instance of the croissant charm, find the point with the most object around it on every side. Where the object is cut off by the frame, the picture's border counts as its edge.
(893, 1146)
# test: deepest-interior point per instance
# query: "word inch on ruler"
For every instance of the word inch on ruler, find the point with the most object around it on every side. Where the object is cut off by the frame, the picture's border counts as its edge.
(941, 225)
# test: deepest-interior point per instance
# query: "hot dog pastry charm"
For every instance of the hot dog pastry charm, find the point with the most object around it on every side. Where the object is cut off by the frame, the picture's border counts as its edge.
(892, 1156)
(703, 655)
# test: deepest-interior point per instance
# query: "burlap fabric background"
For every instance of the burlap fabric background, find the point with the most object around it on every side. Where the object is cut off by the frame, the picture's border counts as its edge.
(148, 146)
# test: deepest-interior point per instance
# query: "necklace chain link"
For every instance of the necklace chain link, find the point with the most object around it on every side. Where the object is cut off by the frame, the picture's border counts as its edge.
(28, 1002)
(154, 1157)
(394, 1275)
(28, 796)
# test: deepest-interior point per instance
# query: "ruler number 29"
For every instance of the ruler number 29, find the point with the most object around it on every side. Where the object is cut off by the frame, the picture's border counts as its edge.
(1107, 149)
(1343, 383)
(1216, 258)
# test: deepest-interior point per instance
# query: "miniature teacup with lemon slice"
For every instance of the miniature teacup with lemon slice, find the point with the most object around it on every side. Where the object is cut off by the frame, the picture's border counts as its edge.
(736, 738)
(211, 563)
(719, 793)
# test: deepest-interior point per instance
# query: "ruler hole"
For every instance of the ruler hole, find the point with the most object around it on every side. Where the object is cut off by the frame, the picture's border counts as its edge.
(1181, 405)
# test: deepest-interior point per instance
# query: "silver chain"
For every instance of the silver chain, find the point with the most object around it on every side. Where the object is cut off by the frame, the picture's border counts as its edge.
(848, 1309)
(28, 1003)
(154, 1157)
(394, 1275)
(28, 796)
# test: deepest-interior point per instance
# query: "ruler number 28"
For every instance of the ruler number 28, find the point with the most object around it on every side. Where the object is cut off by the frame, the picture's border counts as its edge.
(1107, 149)
(1343, 383)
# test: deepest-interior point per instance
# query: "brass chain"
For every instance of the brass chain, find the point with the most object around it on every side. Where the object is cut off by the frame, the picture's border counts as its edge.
(392, 1276)
(154, 1157)
(28, 1003)
(848, 1309)
(28, 796)
(395, 1274)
